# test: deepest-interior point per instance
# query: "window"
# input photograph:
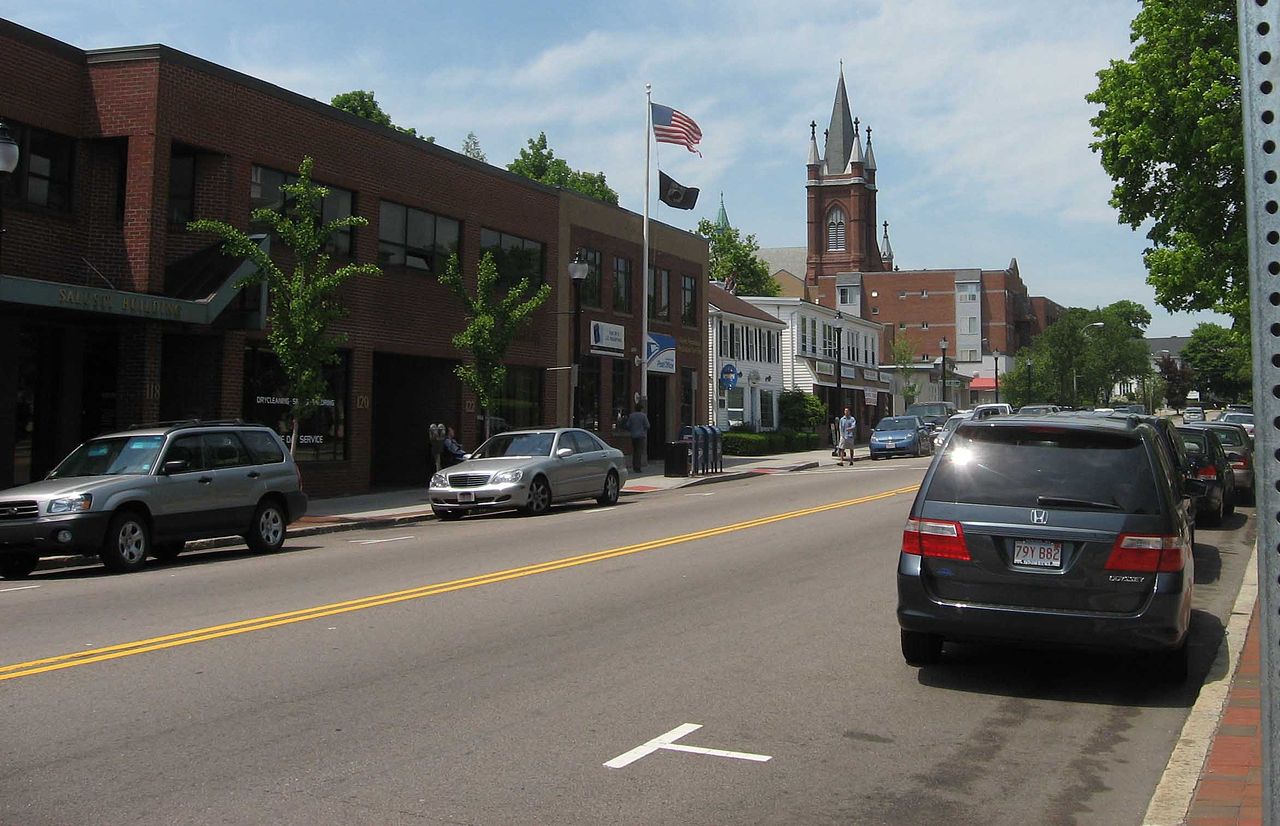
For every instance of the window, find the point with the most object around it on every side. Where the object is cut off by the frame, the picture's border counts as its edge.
(902, 325)
(588, 395)
(688, 394)
(846, 295)
(971, 324)
(966, 293)
(516, 257)
(828, 341)
(835, 229)
(902, 293)
(767, 420)
(813, 336)
(43, 176)
(688, 300)
(224, 450)
(266, 192)
(182, 185)
(322, 434)
(416, 239)
(804, 335)
(924, 293)
(659, 293)
(520, 404)
(620, 392)
(875, 311)
(591, 286)
(621, 284)
(968, 355)
(924, 325)
(736, 406)
(724, 337)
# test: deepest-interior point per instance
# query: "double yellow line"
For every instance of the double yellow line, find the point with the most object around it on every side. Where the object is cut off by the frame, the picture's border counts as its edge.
(129, 649)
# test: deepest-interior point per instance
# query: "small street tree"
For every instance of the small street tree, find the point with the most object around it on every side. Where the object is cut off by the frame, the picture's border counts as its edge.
(302, 302)
(1179, 380)
(733, 260)
(904, 357)
(492, 320)
(538, 162)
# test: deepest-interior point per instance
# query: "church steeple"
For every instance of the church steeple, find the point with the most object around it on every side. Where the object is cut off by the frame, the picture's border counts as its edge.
(886, 251)
(813, 143)
(722, 217)
(840, 135)
(871, 156)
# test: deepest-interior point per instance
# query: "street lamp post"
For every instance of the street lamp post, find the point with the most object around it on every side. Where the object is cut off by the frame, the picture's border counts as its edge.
(8, 163)
(1075, 393)
(839, 362)
(1029, 365)
(578, 271)
(943, 345)
(996, 353)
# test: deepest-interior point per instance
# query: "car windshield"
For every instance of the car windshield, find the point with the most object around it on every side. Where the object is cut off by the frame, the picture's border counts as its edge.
(928, 409)
(117, 456)
(516, 444)
(898, 423)
(1230, 436)
(1238, 418)
(952, 424)
(1194, 443)
(1044, 466)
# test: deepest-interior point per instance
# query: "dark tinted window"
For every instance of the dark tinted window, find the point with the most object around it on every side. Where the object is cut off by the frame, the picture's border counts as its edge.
(187, 449)
(1230, 437)
(1027, 466)
(1194, 444)
(264, 449)
(224, 450)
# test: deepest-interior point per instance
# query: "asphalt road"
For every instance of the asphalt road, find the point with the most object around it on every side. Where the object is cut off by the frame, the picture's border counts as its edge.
(486, 671)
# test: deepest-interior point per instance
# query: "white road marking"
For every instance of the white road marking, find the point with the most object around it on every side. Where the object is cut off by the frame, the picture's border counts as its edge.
(377, 541)
(19, 588)
(668, 741)
(700, 494)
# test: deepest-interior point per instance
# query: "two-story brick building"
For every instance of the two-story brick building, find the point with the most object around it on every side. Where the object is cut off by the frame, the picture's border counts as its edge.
(112, 312)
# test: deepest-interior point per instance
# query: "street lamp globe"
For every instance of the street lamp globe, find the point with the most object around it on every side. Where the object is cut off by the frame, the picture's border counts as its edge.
(8, 151)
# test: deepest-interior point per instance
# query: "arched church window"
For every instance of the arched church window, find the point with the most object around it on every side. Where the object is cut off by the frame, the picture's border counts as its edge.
(835, 229)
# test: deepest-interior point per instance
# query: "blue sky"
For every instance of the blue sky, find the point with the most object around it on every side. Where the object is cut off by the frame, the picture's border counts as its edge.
(977, 106)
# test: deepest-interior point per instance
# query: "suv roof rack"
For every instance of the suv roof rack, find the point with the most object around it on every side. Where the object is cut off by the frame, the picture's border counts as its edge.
(174, 424)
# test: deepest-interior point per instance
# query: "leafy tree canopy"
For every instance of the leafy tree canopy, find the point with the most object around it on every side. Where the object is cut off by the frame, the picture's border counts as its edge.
(471, 148)
(1221, 359)
(733, 258)
(302, 301)
(1170, 136)
(538, 162)
(363, 104)
(904, 356)
(1179, 380)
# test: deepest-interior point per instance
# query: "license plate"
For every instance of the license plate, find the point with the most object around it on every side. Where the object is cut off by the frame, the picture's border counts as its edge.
(1037, 553)
(466, 496)
(890, 444)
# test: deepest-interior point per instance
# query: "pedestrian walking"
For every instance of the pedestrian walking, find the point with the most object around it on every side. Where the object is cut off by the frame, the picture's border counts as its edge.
(848, 427)
(637, 426)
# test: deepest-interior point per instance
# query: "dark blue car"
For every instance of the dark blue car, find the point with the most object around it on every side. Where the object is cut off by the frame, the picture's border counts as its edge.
(901, 436)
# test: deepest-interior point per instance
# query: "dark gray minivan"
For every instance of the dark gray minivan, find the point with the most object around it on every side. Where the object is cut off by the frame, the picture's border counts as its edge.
(1057, 531)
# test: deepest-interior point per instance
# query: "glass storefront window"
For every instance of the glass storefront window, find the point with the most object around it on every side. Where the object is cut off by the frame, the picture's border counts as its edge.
(323, 434)
(621, 393)
(521, 402)
(737, 406)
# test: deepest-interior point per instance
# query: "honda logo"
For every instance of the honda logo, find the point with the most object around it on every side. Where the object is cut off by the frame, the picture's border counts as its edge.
(1039, 517)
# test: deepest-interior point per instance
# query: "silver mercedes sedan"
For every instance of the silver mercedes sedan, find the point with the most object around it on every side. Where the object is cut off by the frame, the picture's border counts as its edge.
(530, 470)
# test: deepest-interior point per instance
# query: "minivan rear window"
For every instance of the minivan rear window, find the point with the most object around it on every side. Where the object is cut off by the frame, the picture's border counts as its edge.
(1037, 466)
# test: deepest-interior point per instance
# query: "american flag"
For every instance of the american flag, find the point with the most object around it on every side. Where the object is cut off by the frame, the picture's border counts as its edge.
(673, 126)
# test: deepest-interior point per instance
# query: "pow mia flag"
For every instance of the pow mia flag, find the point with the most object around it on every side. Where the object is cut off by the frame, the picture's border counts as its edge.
(673, 194)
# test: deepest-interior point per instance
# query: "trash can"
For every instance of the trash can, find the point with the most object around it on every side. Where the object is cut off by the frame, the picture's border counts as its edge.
(676, 461)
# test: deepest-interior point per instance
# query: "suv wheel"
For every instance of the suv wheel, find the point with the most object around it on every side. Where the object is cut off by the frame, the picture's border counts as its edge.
(18, 565)
(127, 543)
(266, 532)
(919, 648)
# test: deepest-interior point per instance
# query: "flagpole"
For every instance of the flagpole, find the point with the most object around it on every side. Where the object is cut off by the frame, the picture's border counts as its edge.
(644, 258)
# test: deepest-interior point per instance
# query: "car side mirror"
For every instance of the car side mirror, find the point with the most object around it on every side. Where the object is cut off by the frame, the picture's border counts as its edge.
(175, 466)
(563, 452)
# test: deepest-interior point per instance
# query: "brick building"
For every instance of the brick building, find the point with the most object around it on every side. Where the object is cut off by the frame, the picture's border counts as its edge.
(978, 311)
(113, 313)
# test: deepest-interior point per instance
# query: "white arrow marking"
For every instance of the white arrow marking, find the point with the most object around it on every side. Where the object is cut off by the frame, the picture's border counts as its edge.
(376, 541)
(668, 741)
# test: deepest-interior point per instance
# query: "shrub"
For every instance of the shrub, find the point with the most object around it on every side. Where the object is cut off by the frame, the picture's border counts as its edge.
(738, 443)
(798, 410)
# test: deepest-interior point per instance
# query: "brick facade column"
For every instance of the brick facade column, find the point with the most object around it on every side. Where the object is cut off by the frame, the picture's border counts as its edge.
(138, 381)
(231, 399)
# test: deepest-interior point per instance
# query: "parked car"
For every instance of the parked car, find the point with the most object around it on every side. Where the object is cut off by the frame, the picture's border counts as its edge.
(1193, 414)
(1038, 409)
(1235, 441)
(145, 491)
(901, 436)
(940, 438)
(1216, 495)
(1181, 470)
(1239, 408)
(1065, 532)
(1245, 420)
(530, 470)
(983, 411)
(934, 414)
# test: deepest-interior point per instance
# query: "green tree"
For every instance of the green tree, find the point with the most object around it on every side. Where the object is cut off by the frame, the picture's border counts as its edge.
(904, 356)
(798, 410)
(363, 104)
(471, 148)
(1170, 135)
(492, 319)
(302, 302)
(1221, 359)
(1179, 380)
(1116, 352)
(733, 259)
(538, 162)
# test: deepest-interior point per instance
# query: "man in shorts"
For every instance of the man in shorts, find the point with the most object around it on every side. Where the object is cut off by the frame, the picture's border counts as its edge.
(848, 429)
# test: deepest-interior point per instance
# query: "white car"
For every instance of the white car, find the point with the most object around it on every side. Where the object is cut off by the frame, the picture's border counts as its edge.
(984, 411)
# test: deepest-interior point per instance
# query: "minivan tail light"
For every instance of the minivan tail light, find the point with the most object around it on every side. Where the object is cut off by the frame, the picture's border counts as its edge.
(1240, 464)
(1144, 553)
(935, 538)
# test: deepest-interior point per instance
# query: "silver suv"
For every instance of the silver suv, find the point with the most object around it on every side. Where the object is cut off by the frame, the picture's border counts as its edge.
(147, 490)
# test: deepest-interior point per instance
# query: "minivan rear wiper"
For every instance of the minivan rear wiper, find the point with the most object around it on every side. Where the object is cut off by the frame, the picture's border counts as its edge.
(1064, 502)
